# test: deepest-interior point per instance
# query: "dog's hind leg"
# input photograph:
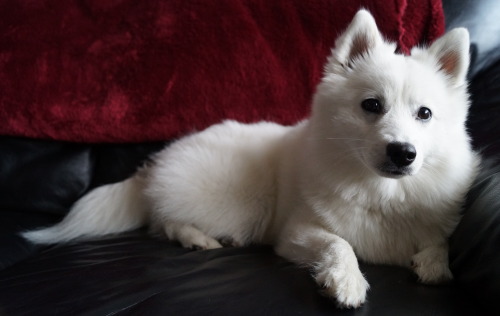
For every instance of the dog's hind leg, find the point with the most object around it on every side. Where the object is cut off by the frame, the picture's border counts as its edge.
(190, 237)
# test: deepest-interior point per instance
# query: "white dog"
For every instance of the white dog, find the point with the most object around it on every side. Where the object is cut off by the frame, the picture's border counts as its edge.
(379, 172)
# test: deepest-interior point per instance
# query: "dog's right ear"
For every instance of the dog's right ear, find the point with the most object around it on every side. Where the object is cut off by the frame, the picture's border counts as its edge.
(360, 37)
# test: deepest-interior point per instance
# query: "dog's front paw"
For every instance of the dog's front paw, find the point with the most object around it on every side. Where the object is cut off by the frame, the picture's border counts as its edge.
(346, 284)
(431, 265)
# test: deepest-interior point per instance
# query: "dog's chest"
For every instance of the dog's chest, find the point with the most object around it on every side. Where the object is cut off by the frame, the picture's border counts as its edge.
(377, 233)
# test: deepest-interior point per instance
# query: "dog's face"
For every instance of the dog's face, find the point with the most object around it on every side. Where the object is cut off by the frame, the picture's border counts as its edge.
(392, 114)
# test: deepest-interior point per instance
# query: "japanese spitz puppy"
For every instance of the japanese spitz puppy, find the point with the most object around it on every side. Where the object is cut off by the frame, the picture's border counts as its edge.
(379, 171)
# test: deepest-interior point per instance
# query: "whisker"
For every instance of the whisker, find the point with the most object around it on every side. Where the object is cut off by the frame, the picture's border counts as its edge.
(342, 155)
(347, 138)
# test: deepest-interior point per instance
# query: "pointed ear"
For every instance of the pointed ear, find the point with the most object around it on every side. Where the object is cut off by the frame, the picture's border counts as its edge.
(451, 52)
(360, 37)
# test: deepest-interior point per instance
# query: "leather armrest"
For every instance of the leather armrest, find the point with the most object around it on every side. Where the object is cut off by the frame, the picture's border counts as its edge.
(474, 246)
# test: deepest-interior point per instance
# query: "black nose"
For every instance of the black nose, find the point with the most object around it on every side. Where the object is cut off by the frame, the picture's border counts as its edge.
(401, 154)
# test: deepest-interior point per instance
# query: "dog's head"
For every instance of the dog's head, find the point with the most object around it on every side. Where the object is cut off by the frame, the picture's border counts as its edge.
(390, 113)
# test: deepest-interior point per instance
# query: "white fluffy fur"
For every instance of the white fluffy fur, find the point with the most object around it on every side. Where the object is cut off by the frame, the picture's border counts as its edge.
(316, 190)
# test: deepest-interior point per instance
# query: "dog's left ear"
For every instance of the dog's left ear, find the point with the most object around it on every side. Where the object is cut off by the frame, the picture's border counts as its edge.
(452, 55)
(360, 37)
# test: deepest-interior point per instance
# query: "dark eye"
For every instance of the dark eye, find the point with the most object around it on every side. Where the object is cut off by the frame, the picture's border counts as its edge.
(424, 114)
(372, 106)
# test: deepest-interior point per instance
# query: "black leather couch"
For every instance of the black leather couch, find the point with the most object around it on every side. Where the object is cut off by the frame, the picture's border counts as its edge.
(133, 274)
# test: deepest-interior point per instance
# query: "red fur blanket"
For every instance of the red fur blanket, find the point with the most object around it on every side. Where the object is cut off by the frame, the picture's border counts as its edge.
(133, 71)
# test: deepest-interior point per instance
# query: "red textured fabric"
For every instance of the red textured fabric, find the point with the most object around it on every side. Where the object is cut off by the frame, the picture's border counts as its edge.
(133, 71)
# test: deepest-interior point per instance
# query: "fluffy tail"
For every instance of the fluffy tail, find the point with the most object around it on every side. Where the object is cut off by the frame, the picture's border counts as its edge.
(108, 209)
